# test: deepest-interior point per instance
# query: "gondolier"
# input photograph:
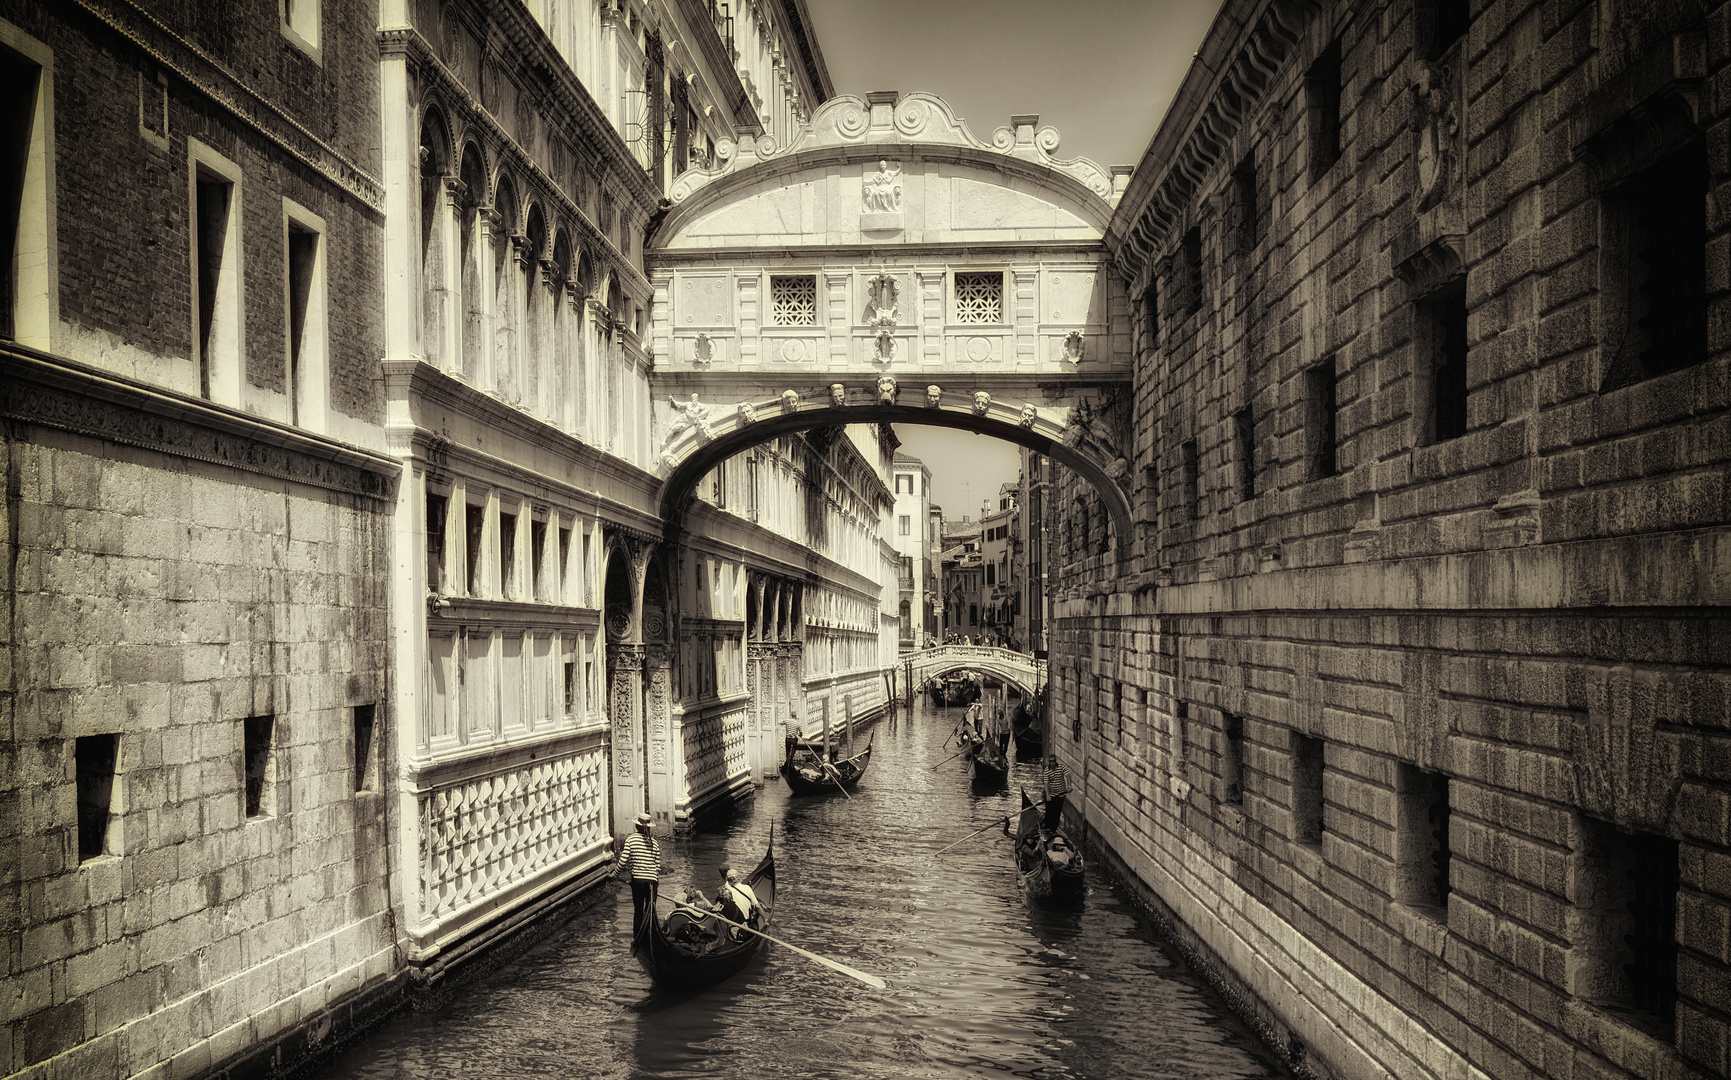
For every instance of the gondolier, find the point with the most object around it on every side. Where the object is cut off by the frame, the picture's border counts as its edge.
(1057, 780)
(640, 859)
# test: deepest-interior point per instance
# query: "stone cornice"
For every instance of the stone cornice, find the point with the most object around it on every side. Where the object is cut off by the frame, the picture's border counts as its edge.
(795, 15)
(1238, 63)
(721, 64)
(53, 392)
(210, 78)
(851, 256)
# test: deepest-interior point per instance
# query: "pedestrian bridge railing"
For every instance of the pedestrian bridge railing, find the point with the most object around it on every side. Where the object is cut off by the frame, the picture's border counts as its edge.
(1020, 669)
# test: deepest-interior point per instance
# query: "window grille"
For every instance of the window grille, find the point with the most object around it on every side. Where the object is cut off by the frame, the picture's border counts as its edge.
(980, 298)
(793, 300)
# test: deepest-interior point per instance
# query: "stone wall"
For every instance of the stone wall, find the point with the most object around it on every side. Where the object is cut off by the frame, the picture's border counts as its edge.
(1415, 722)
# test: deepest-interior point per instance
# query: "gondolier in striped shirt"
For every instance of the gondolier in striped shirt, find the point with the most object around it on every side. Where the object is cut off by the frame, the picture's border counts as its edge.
(640, 858)
(1057, 780)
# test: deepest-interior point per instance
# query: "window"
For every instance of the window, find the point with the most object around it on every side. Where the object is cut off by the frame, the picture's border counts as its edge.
(570, 687)
(905, 524)
(474, 522)
(1246, 209)
(1191, 251)
(259, 792)
(562, 593)
(588, 562)
(793, 300)
(991, 577)
(305, 304)
(1307, 761)
(1191, 478)
(1175, 743)
(1319, 390)
(980, 297)
(218, 331)
(1322, 109)
(973, 614)
(1441, 386)
(1421, 838)
(1232, 760)
(507, 554)
(28, 298)
(1656, 226)
(1438, 24)
(1244, 437)
(436, 507)
(95, 759)
(1151, 316)
(300, 24)
(537, 558)
(1624, 887)
(904, 483)
(363, 720)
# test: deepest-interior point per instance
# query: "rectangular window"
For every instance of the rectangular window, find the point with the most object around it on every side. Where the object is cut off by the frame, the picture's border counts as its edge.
(570, 685)
(1244, 439)
(27, 301)
(1422, 839)
(564, 591)
(1191, 250)
(1441, 387)
(1151, 316)
(436, 508)
(507, 554)
(305, 299)
(537, 559)
(905, 524)
(256, 745)
(300, 24)
(1307, 761)
(1322, 94)
(991, 576)
(793, 300)
(474, 522)
(1656, 227)
(1625, 952)
(1320, 384)
(980, 297)
(217, 279)
(1232, 760)
(1191, 479)
(588, 570)
(1246, 211)
(1175, 743)
(96, 757)
(1438, 24)
(363, 720)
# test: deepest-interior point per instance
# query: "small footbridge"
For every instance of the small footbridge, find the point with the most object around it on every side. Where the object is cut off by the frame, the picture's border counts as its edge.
(1018, 669)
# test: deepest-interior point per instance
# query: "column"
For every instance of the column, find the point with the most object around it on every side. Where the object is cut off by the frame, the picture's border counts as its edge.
(667, 781)
(624, 713)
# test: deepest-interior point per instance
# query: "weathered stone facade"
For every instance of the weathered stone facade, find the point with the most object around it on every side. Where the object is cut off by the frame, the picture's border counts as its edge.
(1413, 719)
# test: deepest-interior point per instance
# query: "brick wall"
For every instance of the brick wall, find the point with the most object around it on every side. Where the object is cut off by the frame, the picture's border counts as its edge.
(1524, 613)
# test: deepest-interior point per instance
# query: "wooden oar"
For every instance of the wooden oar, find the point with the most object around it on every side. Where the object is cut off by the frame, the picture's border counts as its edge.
(838, 782)
(983, 828)
(853, 973)
(949, 759)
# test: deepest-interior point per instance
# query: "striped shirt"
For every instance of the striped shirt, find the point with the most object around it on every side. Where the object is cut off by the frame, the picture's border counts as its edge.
(1057, 779)
(642, 855)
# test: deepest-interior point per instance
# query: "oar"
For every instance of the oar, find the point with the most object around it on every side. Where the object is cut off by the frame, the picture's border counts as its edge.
(838, 782)
(853, 973)
(949, 759)
(989, 825)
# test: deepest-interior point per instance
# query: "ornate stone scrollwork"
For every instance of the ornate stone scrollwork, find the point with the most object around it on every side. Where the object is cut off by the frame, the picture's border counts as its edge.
(1073, 346)
(884, 347)
(703, 349)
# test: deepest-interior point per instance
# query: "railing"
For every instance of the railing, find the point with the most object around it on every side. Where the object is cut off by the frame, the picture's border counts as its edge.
(988, 658)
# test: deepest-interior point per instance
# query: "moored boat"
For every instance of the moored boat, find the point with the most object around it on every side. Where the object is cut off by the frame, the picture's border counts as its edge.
(1025, 728)
(807, 773)
(1049, 868)
(991, 759)
(687, 951)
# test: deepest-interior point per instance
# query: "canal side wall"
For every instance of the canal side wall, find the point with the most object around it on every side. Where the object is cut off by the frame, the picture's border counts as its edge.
(1406, 694)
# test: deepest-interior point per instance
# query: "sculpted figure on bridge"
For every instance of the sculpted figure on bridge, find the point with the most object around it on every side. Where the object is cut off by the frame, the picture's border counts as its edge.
(1029, 415)
(837, 395)
(886, 390)
(1089, 431)
(883, 192)
(747, 412)
(934, 396)
(982, 402)
(692, 414)
(790, 401)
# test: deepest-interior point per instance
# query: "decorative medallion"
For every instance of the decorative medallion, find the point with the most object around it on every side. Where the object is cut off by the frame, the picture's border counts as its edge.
(490, 85)
(911, 117)
(525, 121)
(979, 349)
(1073, 346)
(851, 122)
(793, 350)
(452, 33)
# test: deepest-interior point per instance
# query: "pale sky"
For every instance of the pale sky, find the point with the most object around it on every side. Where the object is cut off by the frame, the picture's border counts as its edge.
(1100, 71)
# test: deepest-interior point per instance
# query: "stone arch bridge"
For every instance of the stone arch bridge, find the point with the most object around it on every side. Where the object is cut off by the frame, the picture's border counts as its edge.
(1018, 669)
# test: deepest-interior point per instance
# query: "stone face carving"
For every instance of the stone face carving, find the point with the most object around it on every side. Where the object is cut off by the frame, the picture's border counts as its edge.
(1029, 415)
(688, 414)
(982, 402)
(934, 396)
(886, 391)
(747, 412)
(883, 191)
(837, 395)
(790, 401)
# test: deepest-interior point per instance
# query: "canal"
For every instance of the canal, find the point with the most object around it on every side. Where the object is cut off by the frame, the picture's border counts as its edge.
(980, 984)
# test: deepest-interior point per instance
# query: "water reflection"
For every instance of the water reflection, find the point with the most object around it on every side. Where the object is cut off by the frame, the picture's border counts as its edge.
(980, 983)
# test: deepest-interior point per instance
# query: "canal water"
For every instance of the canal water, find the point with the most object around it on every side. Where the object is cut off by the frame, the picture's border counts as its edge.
(980, 983)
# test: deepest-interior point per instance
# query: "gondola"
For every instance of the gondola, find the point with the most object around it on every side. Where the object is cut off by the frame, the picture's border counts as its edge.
(806, 775)
(991, 758)
(1025, 728)
(684, 952)
(1049, 868)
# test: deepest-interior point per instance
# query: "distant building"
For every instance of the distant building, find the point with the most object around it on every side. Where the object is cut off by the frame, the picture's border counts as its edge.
(917, 573)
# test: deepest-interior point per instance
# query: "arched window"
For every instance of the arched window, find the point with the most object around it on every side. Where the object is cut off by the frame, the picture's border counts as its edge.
(471, 306)
(535, 312)
(435, 291)
(506, 284)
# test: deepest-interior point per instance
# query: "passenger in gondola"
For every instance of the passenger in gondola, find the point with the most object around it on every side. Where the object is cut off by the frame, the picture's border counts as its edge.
(735, 900)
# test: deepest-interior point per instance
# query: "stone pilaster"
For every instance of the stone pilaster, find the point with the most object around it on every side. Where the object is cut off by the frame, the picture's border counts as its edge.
(625, 714)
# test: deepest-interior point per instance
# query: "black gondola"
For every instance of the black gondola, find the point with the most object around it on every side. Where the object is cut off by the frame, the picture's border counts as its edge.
(991, 758)
(807, 774)
(685, 952)
(1049, 868)
(1025, 728)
